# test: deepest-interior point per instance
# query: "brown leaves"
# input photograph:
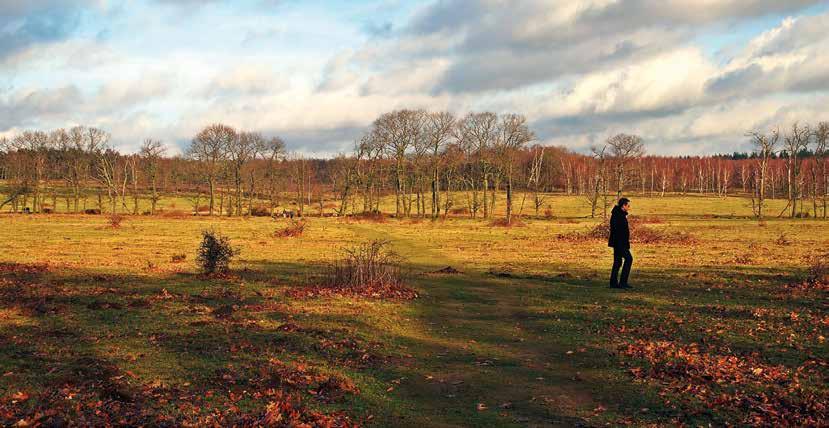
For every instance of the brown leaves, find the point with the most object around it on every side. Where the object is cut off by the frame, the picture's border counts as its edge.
(287, 410)
(766, 394)
(301, 377)
(378, 291)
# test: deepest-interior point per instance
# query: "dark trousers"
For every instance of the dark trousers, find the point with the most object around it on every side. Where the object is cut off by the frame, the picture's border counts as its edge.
(619, 255)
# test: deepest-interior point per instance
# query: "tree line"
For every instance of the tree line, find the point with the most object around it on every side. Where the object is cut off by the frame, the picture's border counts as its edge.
(434, 164)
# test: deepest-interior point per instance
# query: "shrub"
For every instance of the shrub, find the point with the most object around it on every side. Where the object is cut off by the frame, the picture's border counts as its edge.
(115, 220)
(370, 265)
(548, 213)
(260, 211)
(502, 222)
(215, 253)
(638, 233)
(92, 211)
(294, 229)
(459, 211)
(819, 271)
(178, 258)
(174, 213)
(373, 216)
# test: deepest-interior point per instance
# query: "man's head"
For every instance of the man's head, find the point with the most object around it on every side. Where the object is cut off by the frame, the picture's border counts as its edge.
(624, 204)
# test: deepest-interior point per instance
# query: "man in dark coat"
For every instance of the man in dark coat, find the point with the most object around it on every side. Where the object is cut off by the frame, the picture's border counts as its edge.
(619, 240)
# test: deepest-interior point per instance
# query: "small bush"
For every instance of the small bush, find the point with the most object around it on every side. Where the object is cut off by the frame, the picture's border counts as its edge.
(174, 213)
(638, 233)
(783, 240)
(373, 216)
(502, 222)
(295, 228)
(260, 211)
(459, 211)
(115, 221)
(369, 270)
(548, 213)
(367, 265)
(178, 258)
(819, 271)
(215, 253)
(92, 211)
(47, 210)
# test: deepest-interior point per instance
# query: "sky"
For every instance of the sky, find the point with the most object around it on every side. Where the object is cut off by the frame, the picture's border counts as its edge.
(689, 76)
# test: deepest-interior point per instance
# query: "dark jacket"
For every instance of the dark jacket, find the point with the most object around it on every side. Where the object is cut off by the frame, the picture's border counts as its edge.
(619, 230)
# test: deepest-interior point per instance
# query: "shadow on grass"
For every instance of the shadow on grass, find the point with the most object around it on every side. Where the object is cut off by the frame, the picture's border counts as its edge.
(479, 348)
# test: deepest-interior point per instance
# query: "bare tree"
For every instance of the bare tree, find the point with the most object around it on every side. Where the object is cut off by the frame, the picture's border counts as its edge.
(151, 153)
(597, 189)
(513, 135)
(210, 147)
(34, 145)
(624, 148)
(241, 151)
(439, 128)
(273, 152)
(764, 148)
(795, 142)
(534, 178)
(821, 140)
(478, 132)
(397, 132)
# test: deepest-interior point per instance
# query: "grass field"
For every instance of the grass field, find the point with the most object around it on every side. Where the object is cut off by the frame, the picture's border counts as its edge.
(100, 325)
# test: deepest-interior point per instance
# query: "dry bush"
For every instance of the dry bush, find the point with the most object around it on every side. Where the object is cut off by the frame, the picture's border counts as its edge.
(115, 221)
(819, 271)
(178, 258)
(260, 211)
(638, 233)
(783, 240)
(502, 222)
(548, 213)
(92, 211)
(370, 269)
(459, 211)
(215, 253)
(372, 216)
(47, 210)
(648, 220)
(174, 214)
(295, 228)
(367, 265)
(647, 235)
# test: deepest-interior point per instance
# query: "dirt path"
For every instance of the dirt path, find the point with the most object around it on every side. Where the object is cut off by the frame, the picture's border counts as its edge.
(480, 354)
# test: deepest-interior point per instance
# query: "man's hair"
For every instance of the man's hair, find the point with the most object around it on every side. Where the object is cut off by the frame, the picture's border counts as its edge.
(623, 202)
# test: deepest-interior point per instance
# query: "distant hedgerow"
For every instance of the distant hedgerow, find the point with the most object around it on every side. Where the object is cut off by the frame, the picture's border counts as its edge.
(215, 253)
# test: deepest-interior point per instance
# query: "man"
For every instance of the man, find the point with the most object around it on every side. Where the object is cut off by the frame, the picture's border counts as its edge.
(619, 240)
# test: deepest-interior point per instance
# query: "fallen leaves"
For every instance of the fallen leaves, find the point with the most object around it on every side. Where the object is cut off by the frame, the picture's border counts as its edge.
(764, 393)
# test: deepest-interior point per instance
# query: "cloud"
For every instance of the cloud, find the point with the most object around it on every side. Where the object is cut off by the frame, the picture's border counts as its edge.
(27, 23)
(787, 58)
(579, 70)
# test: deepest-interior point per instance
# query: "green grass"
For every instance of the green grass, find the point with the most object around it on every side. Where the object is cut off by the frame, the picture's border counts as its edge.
(529, 328)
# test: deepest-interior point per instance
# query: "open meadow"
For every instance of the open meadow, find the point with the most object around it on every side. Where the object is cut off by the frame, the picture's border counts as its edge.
(115, 325)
